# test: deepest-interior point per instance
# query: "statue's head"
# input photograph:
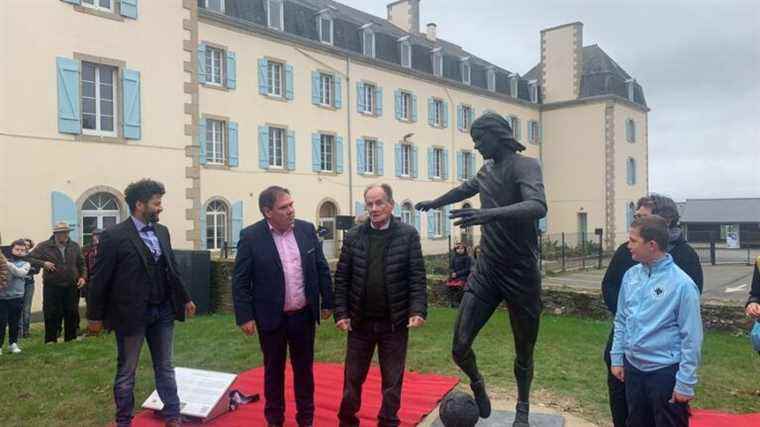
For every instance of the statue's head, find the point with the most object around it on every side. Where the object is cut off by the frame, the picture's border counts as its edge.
(492, 133)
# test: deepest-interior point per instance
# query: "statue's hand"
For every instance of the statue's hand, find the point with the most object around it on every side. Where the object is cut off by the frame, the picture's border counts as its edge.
(469, 217)
(424, 206)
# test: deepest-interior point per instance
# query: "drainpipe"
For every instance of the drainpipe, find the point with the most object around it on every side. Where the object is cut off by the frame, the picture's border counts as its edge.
(350, 139)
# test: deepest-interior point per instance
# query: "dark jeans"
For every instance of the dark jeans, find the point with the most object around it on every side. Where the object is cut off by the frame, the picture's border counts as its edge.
(648, 395)
(615, 389)
(391, 352)
(159, 333)
(10, 312)
(295, 334)
(58, 304)
(26, 314)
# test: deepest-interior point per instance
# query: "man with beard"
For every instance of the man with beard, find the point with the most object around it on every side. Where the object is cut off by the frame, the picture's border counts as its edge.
(512, 201)
(684, 257)
(136, 290)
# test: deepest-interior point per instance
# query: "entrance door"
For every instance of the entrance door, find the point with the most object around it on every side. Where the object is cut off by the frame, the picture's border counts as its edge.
(327, 214)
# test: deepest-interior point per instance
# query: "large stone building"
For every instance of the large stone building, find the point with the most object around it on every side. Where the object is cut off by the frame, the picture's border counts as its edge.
(220, 98)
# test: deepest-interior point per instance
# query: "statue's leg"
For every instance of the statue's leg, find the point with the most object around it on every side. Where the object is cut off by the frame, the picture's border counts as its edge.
(524, 321)
(473, 315)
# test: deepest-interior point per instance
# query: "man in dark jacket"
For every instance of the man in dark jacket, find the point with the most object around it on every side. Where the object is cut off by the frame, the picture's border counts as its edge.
(380, 293)
(684, 257)
(136, 291)
(64, 273)
(753, 303)
(280, 275)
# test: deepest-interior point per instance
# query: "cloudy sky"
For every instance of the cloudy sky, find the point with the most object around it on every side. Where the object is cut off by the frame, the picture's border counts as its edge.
(698, 61)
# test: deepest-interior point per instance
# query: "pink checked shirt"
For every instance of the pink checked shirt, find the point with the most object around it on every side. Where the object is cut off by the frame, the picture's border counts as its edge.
(290, 257)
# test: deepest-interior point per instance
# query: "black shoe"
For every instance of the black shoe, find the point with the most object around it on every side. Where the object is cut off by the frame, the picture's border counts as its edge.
(521, 414)
(481, 398)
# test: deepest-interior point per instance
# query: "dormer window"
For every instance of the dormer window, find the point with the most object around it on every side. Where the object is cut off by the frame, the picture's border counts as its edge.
(533, 90)
(491, 79)
(466, 70)
(325, 28)
(513, 84)
(275, 19)
(630, 85)
(437, 62)
(368, 41)
(405, 50)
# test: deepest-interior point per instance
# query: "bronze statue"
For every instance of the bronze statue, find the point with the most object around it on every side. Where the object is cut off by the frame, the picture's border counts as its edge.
(512, 200)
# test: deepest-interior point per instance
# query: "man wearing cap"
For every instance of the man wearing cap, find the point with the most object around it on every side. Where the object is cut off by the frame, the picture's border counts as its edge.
(512, 201)
(64, 273)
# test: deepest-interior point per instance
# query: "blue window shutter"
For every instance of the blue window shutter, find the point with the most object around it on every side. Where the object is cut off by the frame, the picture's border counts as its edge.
(397, 158)
(430, 162)
(379, 157)
(460, 117)
(69, 118)
(289, 92)
(202, 141)
(417, 221)
(232, 142)
(131, 94)
(430, 224)
(445, 164)
(338, 92)
(237, 222)
(360, 97)
(379, 102)
(460, 165)
(339, 154)
(263, 83)
(445, 114)
(202, 77)
(316, 90)
(397, 103)
(431, 115)
(231, 70)
(472, 115)
(264, 147)
(291, 150)
(446, 221)
(129, 8)
(316, 152)
(204, 234)
(414, 162)
(414, 108)
(361, 147)
(64, 210)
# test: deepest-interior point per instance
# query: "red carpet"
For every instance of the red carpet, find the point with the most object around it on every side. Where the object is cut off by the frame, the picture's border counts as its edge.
(420, 395)
(707, 418)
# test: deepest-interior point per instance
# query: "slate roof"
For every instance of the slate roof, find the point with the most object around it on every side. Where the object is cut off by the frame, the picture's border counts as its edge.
(722, 211)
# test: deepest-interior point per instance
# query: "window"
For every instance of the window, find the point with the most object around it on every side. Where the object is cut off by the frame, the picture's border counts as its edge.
(368, 43)
(438, 166)
(533, 90)
(514, 123)
(276, 147)
(98, 99)
(466, 72)
(630, 211)
(491, 79)
(466, 117)
(513, 85)
(406, 160)
(327, 152)
(405, 48)
(215, 141)
(325, 27)
(326, 85)
(407, 213)
(630, 85)
(101, 210)
(534, 132)
(368, 95)
(406, 106)
(215, 5)
(216, 225)
(630, 130)
(214, 65)
(437, 63)
(274, 76)
(467, 165)
(438, 220)
(631, 171)
(275, 14)
(437, 114)
(98, 4)
(370, 156)
(582, 227)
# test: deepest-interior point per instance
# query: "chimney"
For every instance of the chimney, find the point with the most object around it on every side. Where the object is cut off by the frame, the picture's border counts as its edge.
(432, 30)
(405, 14)
(561, 62)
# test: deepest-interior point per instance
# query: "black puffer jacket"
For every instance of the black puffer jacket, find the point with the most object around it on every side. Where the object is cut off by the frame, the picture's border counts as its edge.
(404, 272)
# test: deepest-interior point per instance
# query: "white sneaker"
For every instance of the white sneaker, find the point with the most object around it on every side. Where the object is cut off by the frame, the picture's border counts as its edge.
(13, 348)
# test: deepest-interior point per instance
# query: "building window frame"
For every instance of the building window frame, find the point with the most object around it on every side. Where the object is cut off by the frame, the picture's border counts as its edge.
(327, 152)
(98, 92)
(368, 42)
(467, 162)
(438, 163)
(630, 131)
(276, 79)
(407, 213)
(405, 52)
(514, 85)
(630, 170)
(216, 142)
(533, 91)
(466, 116)
(406, 105)
(219, 10)
(369, 94)
(438, 112)
(437, 59)
(325, 38)
(466, 70)
(491, 79)
(407, 154)
(215, 56)
(370, 156)
(277, 147)
(534, 132)
(326, 90)
(279, 4)
(438, 224)
(218, 222)
(96, 5)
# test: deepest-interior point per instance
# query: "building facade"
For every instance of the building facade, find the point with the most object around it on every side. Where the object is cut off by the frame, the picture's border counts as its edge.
(220, 98)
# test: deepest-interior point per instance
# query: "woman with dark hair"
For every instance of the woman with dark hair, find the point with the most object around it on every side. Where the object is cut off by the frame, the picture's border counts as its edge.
(26, 314)
(460, 270)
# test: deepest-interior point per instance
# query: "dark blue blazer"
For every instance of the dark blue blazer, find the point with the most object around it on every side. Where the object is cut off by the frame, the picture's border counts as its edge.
(258, 282)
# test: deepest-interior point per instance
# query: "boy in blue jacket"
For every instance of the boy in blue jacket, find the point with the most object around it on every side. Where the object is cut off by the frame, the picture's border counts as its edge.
(658, 331)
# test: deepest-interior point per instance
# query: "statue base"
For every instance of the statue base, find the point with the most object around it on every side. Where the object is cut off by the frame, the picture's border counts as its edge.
(505, 419)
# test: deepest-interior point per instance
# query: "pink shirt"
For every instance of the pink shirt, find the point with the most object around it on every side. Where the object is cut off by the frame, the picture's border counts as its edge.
(290, 257)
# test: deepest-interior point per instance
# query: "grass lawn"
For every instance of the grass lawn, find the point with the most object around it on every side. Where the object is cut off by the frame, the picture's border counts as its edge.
(70, 384)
